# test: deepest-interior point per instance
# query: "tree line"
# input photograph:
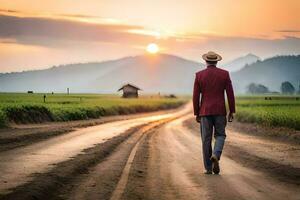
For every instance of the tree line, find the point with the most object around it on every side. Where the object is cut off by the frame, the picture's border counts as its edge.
(285, 88)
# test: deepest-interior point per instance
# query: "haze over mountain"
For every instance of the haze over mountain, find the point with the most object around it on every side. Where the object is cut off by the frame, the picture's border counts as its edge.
(270, 72)
(153, 73)
(240, 62)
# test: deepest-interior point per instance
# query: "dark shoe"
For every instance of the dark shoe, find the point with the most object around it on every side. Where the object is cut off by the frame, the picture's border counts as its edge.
(215, 164)
(208, 172)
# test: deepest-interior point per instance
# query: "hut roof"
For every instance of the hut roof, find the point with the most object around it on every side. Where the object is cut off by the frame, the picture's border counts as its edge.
(130, 85)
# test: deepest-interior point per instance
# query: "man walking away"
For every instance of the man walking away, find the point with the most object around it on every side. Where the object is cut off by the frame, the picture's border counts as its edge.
(210, 110)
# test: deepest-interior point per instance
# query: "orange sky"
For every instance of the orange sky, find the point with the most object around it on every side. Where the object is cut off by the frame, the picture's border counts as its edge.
(97, 30)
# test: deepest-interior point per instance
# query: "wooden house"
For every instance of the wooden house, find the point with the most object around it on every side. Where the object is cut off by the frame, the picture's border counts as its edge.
(130, 91)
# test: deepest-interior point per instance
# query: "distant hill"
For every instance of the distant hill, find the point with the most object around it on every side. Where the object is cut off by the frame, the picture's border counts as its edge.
(269, 72)
(153, 73)
(240, 62)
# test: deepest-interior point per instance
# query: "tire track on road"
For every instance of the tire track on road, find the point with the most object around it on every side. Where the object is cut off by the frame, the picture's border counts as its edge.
(46, 185)
(54, 183)
(122, 184)
(18, 165)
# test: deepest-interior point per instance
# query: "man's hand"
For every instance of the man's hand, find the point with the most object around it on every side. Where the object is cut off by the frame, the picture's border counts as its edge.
(198, 119)
(230, 117)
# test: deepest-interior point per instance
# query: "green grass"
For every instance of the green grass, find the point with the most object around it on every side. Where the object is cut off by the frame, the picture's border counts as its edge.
(30, 108)
(281, 111)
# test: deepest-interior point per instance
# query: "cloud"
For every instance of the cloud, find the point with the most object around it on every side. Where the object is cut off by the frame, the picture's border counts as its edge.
(62, 34)
(9, 11)
(288, 31)
(7, 41)
(49, 32)
(232, 47)
(79, 16)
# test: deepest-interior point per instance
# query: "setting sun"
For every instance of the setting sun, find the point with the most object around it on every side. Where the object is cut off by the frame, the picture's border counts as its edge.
(152, 48)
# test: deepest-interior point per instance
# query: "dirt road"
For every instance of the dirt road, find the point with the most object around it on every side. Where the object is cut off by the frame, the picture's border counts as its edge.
(153, 157)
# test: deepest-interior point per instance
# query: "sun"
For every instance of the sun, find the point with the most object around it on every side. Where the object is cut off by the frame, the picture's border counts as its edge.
(152, 48)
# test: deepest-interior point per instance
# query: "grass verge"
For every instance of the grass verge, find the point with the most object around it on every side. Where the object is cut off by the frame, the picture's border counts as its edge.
(278, 112)
(31, 108)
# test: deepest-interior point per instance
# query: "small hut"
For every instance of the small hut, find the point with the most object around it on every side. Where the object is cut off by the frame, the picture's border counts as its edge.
(130, 91)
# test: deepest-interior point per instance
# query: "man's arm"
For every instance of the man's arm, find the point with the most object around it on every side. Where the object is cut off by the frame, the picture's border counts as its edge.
(196, 97)
(230, 98)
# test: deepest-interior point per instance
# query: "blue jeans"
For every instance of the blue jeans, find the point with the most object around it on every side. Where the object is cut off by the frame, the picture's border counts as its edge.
(208, 125)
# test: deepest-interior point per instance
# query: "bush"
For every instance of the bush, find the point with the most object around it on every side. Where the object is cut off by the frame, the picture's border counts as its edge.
(3, 119)
(28, 114)
(23, 108)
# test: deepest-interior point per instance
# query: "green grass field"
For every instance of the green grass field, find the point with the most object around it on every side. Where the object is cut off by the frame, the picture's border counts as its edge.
(280, 111)
(30, 108)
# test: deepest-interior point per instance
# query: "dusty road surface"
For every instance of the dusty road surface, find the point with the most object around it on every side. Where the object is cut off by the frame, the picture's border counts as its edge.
(152, 157)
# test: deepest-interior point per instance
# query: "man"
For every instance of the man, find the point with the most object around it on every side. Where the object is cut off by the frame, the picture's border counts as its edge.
(210, 110)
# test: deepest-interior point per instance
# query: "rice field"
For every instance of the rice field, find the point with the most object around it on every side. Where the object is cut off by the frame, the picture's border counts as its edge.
(30, 108)
(281, 111)
(24, 108)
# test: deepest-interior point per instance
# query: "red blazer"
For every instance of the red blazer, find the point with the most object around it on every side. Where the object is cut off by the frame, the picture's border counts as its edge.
(211, 84)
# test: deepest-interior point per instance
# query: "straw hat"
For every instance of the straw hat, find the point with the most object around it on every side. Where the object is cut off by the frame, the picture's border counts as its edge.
(211, 56)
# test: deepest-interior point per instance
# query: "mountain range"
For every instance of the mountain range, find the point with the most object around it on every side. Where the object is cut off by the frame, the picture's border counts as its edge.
(239, 63)
(152, 73)
(270, 72)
